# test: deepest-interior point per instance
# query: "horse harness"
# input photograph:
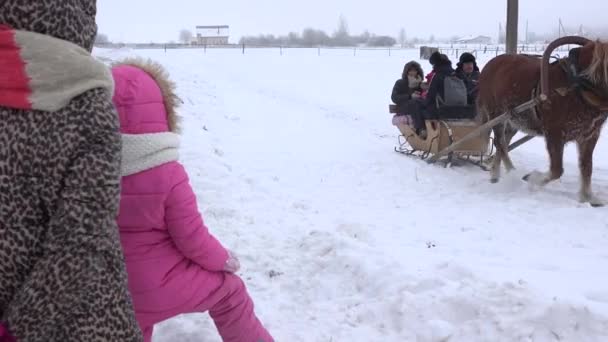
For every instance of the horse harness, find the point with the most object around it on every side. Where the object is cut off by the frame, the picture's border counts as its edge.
(578, 82)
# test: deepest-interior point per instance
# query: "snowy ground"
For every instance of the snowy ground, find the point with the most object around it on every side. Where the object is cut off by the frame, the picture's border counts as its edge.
(342, 239)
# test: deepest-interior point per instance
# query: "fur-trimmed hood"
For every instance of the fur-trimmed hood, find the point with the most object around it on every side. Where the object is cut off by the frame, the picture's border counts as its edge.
(145, 97)
(412, 65)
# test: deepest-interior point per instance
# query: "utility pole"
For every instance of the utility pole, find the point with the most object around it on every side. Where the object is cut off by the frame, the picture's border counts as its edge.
(499, 32)
(527, 36)
(512, 25)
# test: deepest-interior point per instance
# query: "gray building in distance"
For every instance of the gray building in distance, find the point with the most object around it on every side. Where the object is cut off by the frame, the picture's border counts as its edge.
(212, 35)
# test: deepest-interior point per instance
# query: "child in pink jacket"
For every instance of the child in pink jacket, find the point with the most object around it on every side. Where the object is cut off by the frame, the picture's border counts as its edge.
(175, 265)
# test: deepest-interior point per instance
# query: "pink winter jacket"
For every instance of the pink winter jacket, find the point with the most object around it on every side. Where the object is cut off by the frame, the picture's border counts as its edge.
(166, 244)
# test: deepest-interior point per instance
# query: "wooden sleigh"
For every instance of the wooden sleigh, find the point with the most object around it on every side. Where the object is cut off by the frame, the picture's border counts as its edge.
(443, 133)
(451, 139)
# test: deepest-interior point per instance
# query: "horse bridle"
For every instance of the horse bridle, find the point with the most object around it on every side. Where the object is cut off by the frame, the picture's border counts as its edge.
(573, 70)
(577, 80)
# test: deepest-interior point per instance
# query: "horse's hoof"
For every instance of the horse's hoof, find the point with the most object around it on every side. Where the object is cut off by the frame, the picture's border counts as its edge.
(536, 178)
(593, 201)
(494, 180)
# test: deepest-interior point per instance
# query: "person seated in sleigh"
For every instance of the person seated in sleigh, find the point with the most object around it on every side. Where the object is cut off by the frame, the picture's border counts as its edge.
(468, 71)
(407, 90)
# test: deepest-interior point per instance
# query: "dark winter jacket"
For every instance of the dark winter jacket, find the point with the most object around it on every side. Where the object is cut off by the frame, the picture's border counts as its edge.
(401, 90)
(436, 88)
(471, 81)
(62, 272)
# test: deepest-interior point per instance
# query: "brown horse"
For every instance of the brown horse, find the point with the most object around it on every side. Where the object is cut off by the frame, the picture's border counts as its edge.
(574, 96)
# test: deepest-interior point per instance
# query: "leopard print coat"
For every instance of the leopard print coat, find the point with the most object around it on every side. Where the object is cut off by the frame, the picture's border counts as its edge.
(62, 273)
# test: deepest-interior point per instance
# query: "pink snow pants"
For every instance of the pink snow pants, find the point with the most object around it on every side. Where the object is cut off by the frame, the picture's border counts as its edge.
(231, 309)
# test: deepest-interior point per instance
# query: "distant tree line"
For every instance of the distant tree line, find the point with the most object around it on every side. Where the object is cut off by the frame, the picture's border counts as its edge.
(315, 37)
(532, 37)
(311, 37)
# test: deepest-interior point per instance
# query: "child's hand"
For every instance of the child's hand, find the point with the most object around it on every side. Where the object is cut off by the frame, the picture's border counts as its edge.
(232, 264)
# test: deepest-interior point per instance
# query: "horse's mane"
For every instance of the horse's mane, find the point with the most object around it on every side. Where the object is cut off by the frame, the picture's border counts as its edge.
(597, 72)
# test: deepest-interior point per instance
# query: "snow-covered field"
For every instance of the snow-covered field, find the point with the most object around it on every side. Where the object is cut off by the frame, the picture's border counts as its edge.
(343, 240)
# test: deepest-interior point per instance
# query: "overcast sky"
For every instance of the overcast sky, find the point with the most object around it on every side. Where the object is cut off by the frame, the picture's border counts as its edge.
(161, 20)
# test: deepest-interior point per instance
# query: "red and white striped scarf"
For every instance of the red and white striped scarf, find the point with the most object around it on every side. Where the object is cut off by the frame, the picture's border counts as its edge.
(40, 72)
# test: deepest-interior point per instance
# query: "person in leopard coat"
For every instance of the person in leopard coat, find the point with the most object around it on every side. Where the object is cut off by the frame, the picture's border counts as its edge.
(62, 271)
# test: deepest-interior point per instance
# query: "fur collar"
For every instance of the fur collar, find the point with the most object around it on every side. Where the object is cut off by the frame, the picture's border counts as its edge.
(167, 87)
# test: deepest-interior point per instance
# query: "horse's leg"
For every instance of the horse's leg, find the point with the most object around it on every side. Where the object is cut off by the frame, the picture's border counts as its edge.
(585, 164)
(499, 141)
(555, 147)
(509, 133)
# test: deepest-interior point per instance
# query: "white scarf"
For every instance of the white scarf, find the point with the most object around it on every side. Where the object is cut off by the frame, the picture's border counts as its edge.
(414, 82)
(141, 152)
